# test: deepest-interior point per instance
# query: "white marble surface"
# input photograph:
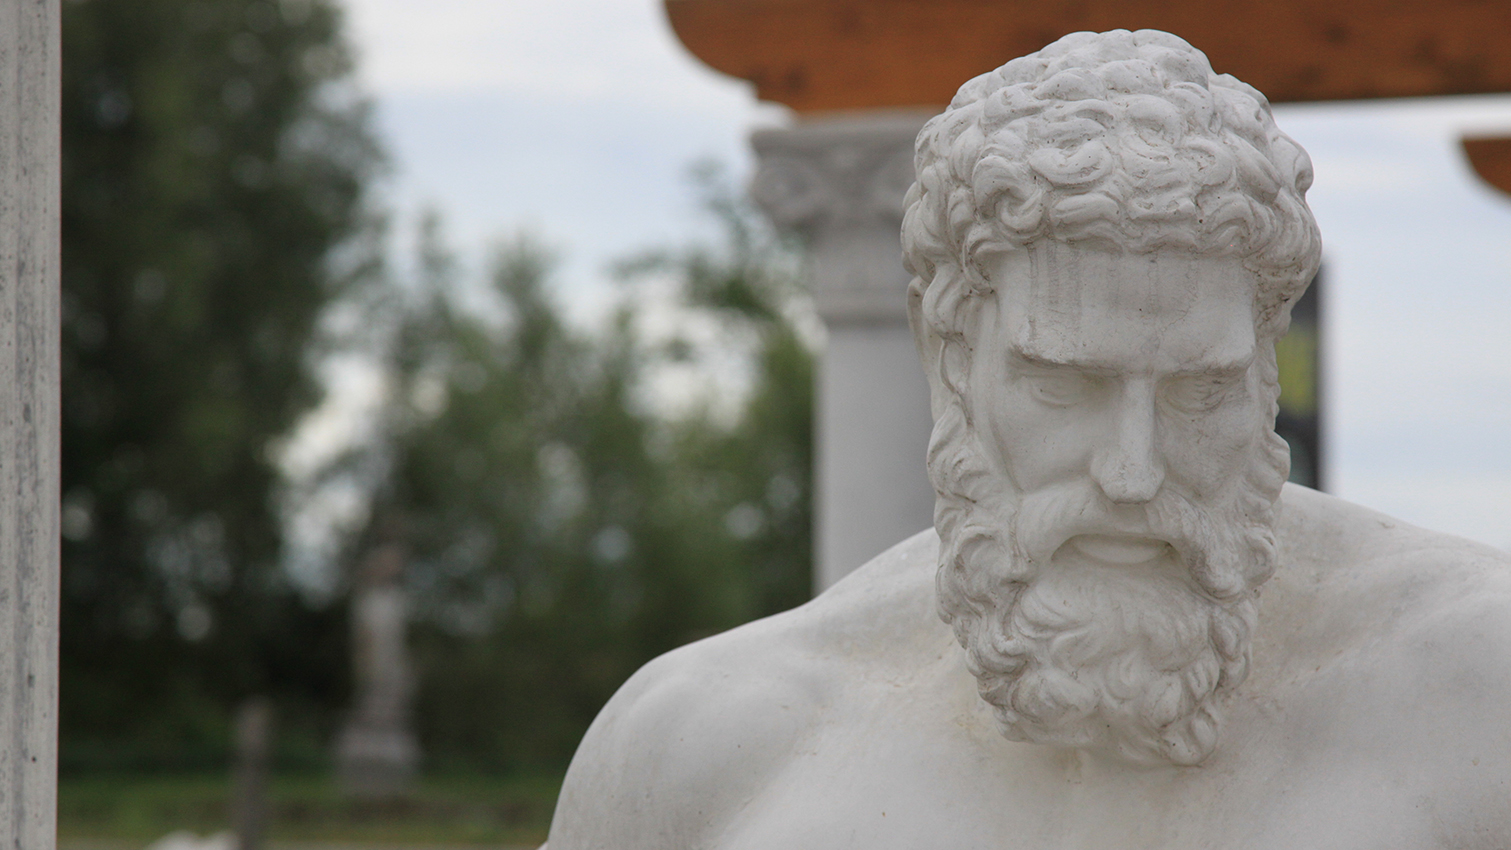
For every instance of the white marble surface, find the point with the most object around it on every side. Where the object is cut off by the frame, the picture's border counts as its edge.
(1125, 632)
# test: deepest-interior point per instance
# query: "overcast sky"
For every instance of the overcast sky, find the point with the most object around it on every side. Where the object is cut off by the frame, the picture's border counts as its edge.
(578, 120)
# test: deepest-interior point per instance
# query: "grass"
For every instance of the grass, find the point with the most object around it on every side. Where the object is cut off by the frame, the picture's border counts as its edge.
(460, 811)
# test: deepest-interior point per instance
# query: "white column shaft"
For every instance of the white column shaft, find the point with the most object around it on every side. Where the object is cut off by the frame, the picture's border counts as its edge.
(840, 182)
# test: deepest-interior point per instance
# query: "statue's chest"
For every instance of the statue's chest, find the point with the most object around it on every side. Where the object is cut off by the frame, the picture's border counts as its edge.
(888, 793)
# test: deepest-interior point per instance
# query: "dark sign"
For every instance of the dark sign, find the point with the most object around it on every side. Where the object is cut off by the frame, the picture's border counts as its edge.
(1299, 354)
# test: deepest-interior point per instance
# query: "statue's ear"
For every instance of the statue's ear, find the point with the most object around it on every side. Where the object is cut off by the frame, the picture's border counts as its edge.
(930, 346)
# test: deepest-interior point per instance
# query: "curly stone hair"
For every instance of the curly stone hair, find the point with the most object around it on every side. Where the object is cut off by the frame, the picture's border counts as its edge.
(1122, 139)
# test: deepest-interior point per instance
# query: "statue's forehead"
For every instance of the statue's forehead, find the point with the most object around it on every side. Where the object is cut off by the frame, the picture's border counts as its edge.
(1167, 309)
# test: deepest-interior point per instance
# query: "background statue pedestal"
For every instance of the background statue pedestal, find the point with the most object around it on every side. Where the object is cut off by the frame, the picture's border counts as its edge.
(376, 761)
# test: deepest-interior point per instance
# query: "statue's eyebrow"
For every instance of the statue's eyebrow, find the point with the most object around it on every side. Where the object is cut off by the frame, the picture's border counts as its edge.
(1230, 368)
(1041, 361)
(1227, 366)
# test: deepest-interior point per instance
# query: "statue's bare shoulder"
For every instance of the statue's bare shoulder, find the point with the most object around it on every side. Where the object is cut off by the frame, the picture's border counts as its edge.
(1391, 646)
(1355, 579)
(699, 731)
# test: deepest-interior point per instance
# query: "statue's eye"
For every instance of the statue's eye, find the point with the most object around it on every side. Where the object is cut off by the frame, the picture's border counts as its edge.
(1198, 393)
(1061, 389)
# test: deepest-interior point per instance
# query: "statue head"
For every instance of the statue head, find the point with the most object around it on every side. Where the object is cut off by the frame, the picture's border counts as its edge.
(1107, 239)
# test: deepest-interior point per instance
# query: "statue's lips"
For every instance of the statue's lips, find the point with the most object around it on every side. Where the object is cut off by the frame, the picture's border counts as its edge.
(1119, 549)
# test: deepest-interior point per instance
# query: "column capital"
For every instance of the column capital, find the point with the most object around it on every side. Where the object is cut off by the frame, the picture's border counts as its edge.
(839, 182)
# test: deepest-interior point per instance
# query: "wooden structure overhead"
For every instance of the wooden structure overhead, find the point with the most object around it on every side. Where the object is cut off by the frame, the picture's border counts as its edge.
(834, 55)
(1491, 158)
(821, 55)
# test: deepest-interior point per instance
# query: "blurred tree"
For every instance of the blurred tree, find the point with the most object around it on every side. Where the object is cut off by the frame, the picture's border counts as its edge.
(565, 528)
(213, 163)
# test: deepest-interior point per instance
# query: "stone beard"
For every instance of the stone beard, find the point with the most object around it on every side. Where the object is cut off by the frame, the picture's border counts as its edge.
(1099, 161)
(1075, 653)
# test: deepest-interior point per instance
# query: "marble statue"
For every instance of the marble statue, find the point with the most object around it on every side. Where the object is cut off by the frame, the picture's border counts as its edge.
(1124, 630)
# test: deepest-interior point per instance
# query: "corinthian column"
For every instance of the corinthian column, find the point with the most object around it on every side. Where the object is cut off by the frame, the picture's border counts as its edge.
(839, 182)
(28, 422)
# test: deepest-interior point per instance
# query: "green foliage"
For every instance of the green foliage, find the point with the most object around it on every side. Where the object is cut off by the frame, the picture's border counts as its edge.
(565, 528)
(211, 164)
(444, 811)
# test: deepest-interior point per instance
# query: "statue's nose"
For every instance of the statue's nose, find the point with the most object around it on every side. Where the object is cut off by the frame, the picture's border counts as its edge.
(1128, 467)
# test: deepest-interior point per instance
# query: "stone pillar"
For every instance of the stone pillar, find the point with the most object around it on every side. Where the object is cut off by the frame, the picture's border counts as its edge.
(839, 182)
(29, 193)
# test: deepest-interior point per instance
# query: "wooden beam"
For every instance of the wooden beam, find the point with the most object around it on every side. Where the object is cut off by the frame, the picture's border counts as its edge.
(1491, 159)
(819, 55)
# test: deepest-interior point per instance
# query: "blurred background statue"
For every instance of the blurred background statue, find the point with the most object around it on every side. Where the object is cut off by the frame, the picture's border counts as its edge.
(377, 753)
